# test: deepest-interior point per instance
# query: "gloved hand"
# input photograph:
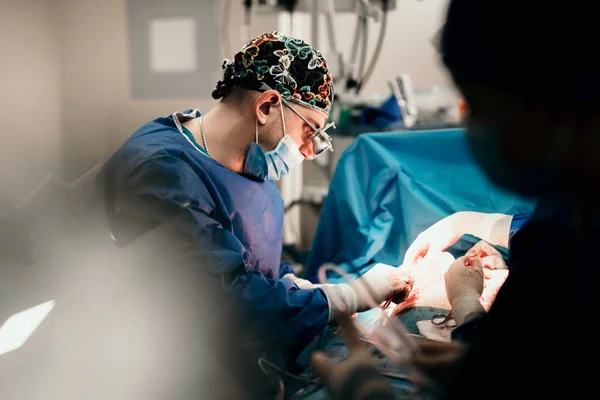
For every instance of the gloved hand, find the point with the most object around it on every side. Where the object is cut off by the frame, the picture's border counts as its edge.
(381, 282)
(301, 283)
(494, 228)
(358, 376)
(490, 257)
(464, 286)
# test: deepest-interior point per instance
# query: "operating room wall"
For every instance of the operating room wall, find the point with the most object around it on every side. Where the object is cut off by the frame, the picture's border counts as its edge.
(30, 100)
(99, 111)
(407, 48)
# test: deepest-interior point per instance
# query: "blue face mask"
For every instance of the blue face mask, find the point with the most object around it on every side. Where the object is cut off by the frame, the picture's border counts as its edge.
(532, 181)
(274, 164)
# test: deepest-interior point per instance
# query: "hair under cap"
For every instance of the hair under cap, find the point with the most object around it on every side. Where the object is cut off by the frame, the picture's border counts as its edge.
(290, 66)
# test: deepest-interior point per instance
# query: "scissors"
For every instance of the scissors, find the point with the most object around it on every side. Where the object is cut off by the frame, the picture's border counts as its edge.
(446, 320)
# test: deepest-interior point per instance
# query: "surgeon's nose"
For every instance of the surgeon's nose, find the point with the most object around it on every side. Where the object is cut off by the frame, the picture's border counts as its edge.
(308, 150)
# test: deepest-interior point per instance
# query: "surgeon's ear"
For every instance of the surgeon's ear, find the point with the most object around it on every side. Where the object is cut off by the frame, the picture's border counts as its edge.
(266, 104)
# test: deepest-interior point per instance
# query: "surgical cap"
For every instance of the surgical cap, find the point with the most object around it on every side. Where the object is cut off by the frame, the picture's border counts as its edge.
(290, 66)
(539, 51)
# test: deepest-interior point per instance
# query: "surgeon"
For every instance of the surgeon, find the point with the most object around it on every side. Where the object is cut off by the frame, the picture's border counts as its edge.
(532, 86)
(212, 176)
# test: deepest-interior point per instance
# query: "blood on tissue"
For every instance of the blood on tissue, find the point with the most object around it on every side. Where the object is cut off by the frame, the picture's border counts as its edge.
(396, 280)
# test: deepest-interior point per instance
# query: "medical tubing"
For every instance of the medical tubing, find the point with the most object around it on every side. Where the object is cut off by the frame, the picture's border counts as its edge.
(280, 386)
(225, 17)
(330, 25)
(352, 79)
(245, 28)
(378, 48)
(364, 52)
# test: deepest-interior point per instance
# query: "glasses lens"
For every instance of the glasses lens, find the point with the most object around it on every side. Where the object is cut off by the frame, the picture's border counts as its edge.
(322, 141)
(320, 145)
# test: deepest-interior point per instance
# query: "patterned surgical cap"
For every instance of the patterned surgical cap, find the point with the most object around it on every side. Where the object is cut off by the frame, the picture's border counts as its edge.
(290, 66)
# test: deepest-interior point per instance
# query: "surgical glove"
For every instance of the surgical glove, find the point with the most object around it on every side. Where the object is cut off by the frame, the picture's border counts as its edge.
(382, 282)
(301, 283)
(464, 286)
(490, 257)
(493, 228)
(378, 284)
(340, 297)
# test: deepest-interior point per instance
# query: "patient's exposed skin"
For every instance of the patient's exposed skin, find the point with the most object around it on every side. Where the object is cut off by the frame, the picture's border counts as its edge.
(428, 286)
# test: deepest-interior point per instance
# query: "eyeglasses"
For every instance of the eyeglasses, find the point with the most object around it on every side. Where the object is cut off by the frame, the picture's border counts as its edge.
(320, 139)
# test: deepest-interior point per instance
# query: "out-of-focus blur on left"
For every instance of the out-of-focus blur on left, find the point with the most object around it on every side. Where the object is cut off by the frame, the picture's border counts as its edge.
(81, 315)
(81, 318)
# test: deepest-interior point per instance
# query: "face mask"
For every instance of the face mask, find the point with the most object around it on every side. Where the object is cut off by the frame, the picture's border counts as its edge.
(274, 164)
(530, 181)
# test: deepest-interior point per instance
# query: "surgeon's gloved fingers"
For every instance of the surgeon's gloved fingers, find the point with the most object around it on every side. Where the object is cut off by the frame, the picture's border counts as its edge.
(483, 249)
(475, 264)
(381, 283)
(464, 276)
(494, 262)
(487, 249)
(398, 280)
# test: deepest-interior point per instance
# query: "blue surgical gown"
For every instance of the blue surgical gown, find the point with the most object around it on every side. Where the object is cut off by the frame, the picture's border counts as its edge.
(235, 224)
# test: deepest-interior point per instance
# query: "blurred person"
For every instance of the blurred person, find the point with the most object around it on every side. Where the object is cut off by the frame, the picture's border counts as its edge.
(88, 320)
(533, 92)
(212, 176)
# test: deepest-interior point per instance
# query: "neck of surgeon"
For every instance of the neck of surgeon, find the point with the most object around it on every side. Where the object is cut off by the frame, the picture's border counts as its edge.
(229, 128)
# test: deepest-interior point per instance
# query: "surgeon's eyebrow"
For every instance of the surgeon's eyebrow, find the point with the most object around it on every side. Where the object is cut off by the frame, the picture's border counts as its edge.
(314, 123)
